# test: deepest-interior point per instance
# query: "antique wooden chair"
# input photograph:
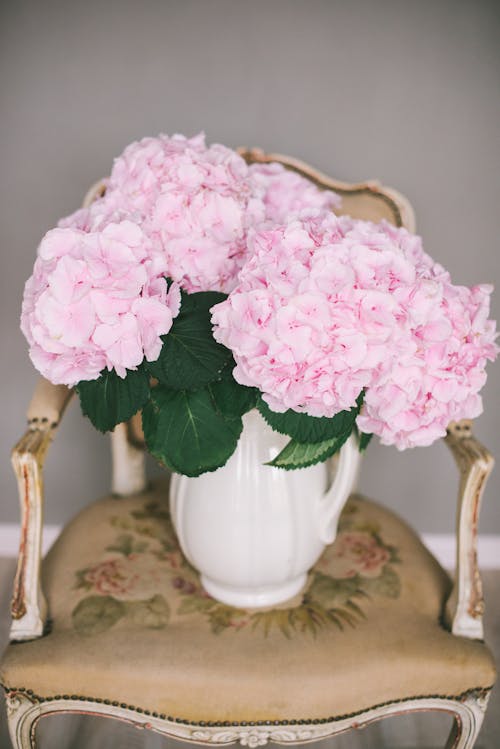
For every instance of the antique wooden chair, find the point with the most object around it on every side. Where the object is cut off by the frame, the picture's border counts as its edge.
(123, 629)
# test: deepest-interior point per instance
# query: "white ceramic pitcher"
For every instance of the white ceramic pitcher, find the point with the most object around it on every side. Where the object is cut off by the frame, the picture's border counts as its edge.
(253, 531)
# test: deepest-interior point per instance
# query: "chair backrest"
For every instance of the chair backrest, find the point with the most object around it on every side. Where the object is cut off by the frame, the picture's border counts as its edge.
(365, 200)
(368, 200)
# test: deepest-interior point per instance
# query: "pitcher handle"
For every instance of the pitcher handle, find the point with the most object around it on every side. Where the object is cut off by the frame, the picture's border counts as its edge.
(331, 504)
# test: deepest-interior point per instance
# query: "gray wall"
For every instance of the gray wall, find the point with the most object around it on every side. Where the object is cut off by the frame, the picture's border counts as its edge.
(404, 91)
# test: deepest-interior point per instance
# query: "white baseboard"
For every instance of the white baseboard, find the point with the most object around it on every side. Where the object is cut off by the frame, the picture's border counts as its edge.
(9, 538)
(442, 545)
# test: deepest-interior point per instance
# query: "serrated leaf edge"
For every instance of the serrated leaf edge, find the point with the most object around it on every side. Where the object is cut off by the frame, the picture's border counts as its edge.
(320, 458)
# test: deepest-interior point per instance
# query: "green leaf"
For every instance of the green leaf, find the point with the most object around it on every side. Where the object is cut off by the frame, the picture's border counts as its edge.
(304, 428)
(184, 430)
(96, 614)
(231, 398)
(109, 400)
(330, 590)
(153, 613)
(282, 619)
(221, 616)
(387, 584)
(193, 604)
(125, 544)
(190, 357)
(300, 455)
(364, 441)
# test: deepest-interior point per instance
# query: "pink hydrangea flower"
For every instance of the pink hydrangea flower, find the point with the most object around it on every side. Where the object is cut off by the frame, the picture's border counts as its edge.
(437, 378)
(197, 204)
(96, 300)
(286, 192)
(328, 306)
(145, 165)
(108, 209)
(308, 324)
(194, 203)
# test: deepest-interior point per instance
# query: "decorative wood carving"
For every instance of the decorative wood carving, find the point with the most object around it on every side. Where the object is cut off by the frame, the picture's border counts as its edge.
(465, 607)
(24, 711)
(44, 413)
(28, 603)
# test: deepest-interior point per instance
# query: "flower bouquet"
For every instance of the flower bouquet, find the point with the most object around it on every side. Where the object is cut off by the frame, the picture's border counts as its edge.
(256, 330)
(198, 288)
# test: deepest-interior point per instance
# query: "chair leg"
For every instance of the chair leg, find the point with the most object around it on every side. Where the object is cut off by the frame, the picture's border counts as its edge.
(22, 715)
(469, 716)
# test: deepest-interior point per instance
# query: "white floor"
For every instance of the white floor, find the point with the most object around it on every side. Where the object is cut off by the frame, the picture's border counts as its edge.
(422, 731)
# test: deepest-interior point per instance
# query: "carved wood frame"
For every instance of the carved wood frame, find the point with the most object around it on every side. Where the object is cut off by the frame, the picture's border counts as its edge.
(24, 710)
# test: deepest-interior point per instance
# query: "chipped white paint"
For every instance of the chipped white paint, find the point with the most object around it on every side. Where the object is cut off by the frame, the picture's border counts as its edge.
(465, 607)
(29, 607)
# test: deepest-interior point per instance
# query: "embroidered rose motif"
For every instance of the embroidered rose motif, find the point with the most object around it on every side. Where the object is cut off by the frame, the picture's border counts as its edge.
(359, 553)
(133, 577)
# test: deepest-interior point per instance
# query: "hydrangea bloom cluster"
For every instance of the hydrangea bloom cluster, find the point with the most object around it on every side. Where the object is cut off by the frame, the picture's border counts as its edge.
(172, 207)
(196, 204)
(320, 307)
(327, 307)
(437, 376)
(96, 300)
(286, 192)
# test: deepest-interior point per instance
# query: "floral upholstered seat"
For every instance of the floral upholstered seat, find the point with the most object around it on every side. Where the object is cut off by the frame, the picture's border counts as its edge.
(123, 600)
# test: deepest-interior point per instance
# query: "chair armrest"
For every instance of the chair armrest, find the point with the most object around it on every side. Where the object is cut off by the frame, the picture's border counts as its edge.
(465, 606)
(29, 608)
